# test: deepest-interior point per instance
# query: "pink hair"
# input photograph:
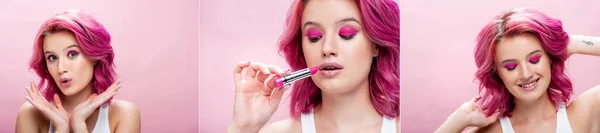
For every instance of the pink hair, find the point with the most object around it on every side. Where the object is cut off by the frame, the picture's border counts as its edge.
(93, 40)
(515, 22)
(381, 20)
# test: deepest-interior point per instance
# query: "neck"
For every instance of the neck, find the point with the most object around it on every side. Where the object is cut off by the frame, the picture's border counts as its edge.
(351, 109)
(70, 102)
(534, 111)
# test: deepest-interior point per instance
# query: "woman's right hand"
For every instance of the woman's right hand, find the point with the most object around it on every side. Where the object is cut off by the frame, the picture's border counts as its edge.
(256, 97)
(475, 115)
(57, 114)
(469, 114)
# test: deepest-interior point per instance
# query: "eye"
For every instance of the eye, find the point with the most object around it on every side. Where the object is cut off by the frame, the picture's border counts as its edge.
(535, 59)
(510, 66)
(347, 32)
(51, 58)
(314, 35)
(72, 53)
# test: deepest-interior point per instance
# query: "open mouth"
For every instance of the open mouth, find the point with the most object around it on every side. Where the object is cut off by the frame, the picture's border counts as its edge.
(530, 84)
(65, 82)
(330, 66)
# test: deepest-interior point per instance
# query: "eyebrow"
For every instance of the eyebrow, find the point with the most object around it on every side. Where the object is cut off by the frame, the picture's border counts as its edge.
(340, 21)
(509, 60)
(70, 46)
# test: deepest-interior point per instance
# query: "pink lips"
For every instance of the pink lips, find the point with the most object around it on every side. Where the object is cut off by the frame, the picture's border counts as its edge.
(65, 82)
(330, 69)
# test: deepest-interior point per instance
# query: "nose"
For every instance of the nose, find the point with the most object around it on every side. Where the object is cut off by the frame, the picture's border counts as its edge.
(62, 66)
(330, 47)
(526, 73)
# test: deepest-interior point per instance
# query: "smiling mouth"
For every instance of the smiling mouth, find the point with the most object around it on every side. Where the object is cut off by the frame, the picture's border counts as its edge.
(528, 85)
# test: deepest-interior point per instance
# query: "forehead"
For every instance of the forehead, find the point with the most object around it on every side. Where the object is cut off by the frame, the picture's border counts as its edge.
(58, 40)
(329, 11)
(517, 47)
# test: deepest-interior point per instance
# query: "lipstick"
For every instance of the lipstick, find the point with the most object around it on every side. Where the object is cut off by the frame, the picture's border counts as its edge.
(295, 76)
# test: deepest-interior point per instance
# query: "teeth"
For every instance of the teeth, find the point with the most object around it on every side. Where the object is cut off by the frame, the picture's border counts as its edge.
(529, 85)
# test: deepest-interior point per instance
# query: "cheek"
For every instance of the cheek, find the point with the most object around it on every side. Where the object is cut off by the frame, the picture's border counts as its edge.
(312, 52)
(83, 66)
(508, 78)
(52, 69)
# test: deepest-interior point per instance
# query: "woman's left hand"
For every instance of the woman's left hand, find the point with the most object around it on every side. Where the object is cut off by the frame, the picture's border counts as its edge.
(82, 111)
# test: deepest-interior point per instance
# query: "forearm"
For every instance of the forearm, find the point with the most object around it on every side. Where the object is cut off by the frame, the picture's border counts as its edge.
(588, 45)
(454, 124)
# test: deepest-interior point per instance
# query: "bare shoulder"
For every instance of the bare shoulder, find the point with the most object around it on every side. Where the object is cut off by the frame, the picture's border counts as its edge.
(584, 104)
(29, 119)
(124, 116)
(28, 111)
(492, 128)
(582, 111)
(123, 107)
(283, 126)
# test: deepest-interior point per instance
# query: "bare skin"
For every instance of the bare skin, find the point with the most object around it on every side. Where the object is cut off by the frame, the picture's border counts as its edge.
(538, 114)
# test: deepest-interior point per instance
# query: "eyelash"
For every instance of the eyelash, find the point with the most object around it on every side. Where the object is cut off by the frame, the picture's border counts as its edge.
(537, 60)
(71, 54)
(345, 37)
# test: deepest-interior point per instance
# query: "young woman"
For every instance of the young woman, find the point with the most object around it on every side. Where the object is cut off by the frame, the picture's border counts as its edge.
(520, 57)
(356, 46)
(73, 57)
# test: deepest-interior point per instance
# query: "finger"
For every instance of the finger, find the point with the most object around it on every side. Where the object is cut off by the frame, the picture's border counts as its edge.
(276, 95)
(493, 117)
(256, 67)
(276, 71)
(102, 99)
(35, 104)
(237, 71)
(93, 96)
(57, 101)
(477, 98)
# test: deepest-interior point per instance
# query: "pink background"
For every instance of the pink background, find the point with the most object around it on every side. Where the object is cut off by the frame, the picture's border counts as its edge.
(156, 51)
(438, 67)
(233, 31)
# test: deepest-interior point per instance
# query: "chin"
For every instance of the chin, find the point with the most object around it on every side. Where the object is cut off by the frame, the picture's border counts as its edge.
(531, 96)
(332, 87)
(69, 91)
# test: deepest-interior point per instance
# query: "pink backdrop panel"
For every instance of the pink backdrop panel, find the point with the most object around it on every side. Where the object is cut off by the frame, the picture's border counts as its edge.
(438, 40)
(156, 54)
(233, 31)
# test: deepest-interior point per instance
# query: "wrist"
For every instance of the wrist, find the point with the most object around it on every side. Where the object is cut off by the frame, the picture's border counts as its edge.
(78, 126)
(459, 119)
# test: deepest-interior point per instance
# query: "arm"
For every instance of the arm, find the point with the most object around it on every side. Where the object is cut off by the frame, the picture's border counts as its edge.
(469, 114)
(588, 45)
(454, 123)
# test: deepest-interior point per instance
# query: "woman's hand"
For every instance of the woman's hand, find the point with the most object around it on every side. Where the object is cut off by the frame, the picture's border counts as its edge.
(474, 115)
(57, 114)
(469, 114)
(82, 111)
(256, 97)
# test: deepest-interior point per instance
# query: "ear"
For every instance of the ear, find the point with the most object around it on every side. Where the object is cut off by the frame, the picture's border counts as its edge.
(375, 51)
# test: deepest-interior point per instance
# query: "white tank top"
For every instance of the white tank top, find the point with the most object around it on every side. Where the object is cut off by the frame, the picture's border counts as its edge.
(101, 123)
(308, 123)
(562, 122)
